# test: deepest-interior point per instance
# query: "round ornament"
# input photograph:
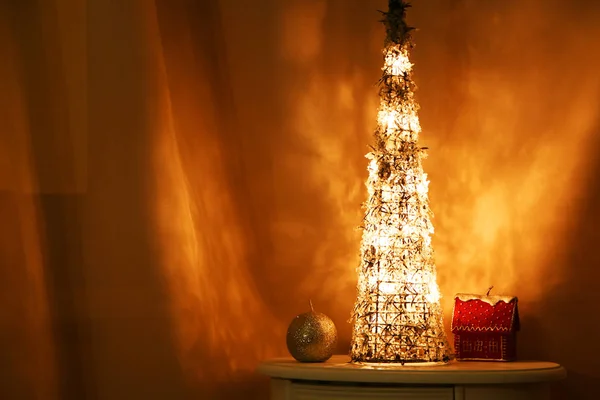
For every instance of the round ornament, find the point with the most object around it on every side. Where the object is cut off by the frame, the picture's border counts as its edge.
(311, 337)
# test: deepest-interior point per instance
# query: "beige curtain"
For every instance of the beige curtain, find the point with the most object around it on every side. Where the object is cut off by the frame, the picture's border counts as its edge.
(179, 177)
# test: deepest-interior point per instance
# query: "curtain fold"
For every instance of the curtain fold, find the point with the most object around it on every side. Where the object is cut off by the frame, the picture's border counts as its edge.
(26, 318)
(44, 96)
(203, 236)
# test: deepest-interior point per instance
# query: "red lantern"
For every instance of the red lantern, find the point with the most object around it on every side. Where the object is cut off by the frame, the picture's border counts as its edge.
(485, 327)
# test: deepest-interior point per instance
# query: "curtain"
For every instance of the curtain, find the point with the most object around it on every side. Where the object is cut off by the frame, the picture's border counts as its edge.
(178, 178)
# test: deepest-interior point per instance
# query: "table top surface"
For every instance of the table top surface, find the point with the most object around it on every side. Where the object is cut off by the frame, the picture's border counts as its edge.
(340, 369)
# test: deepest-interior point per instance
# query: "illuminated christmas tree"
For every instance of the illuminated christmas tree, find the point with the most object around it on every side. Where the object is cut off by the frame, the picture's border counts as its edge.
(397, 315)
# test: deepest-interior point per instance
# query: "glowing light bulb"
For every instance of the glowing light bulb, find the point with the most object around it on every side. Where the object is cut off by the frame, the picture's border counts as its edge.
(388, 288)
(382, 241)
(396, 62)
(387, 119)
(434, 295)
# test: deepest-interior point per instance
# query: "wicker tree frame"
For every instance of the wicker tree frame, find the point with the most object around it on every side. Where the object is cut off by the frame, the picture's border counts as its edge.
(397, 316)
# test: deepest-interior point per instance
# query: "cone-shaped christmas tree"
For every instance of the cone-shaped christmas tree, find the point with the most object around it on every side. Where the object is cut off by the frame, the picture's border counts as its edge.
(397, 315)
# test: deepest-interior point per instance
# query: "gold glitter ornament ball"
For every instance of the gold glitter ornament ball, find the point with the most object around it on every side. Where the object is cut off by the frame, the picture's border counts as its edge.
(311, 337)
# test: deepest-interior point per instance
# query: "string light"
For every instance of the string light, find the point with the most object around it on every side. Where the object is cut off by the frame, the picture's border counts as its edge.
(397, 316)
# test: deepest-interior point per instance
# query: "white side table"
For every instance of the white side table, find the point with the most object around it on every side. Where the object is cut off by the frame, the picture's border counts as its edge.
(339, 379)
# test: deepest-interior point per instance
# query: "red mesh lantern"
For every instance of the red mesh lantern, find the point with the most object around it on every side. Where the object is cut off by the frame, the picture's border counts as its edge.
(485, 327)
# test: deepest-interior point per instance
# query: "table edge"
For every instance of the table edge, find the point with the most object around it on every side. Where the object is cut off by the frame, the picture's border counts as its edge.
(419, 377)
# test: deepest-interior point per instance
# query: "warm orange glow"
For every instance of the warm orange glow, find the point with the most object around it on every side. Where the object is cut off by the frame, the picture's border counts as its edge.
(254, 145)
(324, 117)
(513, 169)
(316, 159)
(218, 313)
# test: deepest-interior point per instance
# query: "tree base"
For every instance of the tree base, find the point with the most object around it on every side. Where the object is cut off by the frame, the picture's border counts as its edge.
(400, 364)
